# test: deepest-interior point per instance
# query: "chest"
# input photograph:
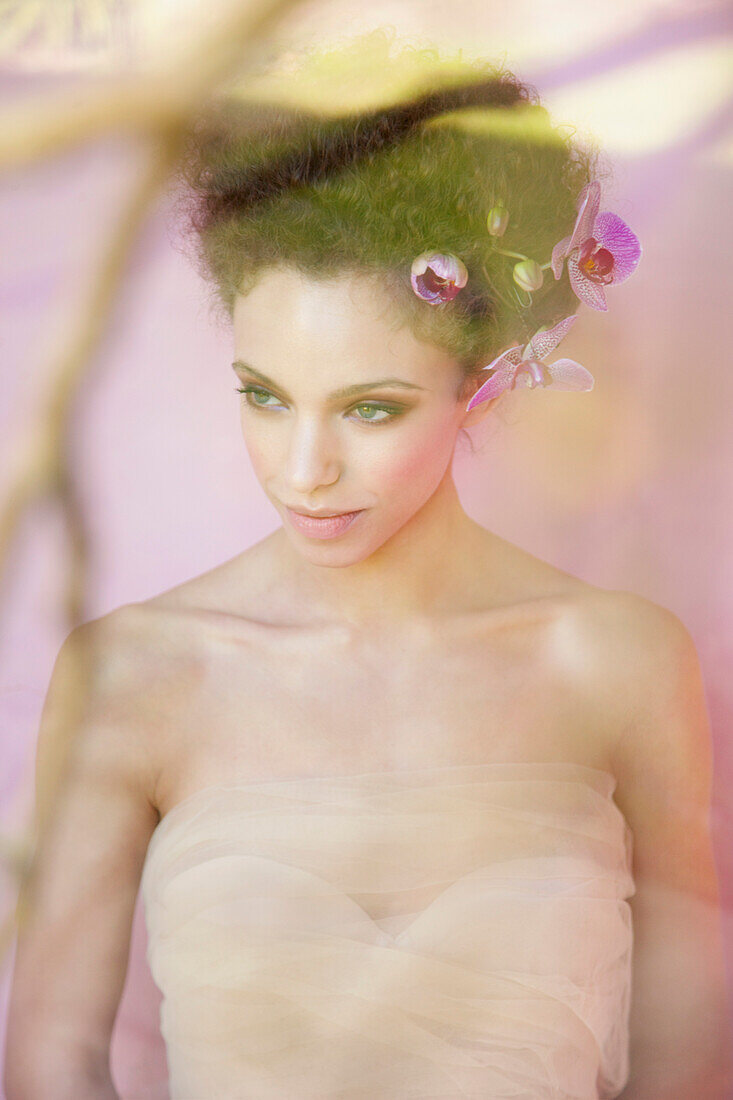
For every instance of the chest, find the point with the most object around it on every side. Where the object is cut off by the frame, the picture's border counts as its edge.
(462, 928)
(281, 704)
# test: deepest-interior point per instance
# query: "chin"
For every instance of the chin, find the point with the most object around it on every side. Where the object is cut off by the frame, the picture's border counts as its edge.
(331, 556)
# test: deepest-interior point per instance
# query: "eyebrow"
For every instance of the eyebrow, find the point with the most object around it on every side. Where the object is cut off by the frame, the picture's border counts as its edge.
(345, 391)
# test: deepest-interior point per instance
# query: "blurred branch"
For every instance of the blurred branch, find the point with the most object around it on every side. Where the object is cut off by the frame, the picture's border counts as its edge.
(157, 108)
(160, 107)
(42, 464)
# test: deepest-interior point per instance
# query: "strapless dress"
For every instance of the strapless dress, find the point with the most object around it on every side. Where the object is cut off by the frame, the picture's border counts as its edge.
(429, 934)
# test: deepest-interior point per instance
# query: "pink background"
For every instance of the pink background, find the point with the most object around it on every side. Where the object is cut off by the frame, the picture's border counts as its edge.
(627, 487)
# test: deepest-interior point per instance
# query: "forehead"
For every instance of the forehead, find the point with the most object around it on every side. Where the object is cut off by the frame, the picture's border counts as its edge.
(343, 327)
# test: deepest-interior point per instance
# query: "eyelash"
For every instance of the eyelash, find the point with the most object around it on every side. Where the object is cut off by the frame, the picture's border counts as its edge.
(393, 410)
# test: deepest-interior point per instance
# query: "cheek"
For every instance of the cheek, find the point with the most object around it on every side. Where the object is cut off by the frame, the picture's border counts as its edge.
(260, 454)
(418, 461)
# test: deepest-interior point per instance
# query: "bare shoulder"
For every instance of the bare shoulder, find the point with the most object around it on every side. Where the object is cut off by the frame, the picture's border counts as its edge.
(608, 636)
(118, 680)
(645, 669)
(639, 655)
(133, 651)
(85, 720)
(630, 624)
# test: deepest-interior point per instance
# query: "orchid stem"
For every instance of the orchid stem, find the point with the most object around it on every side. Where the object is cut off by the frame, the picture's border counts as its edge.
(516, 255)
(507, 301)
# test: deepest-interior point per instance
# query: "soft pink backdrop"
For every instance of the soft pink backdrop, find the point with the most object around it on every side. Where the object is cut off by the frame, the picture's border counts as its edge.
(628, 487)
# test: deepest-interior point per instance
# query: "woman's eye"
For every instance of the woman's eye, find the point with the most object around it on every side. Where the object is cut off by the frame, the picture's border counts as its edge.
(255, 393)
(389, 412)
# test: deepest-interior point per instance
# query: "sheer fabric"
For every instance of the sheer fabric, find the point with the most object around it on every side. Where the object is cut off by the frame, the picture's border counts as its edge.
(428, 934)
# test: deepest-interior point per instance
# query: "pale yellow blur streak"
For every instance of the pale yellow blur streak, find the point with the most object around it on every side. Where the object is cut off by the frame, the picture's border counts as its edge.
(650, 105)
(150, 103)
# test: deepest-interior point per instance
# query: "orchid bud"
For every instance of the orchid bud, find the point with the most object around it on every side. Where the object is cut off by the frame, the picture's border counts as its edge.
(498, 220)
(528, 275)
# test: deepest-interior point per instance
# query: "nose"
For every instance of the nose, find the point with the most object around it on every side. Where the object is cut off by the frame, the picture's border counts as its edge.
(312, 457)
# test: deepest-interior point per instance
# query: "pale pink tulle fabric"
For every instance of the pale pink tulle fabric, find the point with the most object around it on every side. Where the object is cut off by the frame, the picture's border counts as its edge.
(428, 934)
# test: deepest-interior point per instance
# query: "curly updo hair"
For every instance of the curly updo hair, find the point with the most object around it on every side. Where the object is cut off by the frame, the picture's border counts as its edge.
(269, 184)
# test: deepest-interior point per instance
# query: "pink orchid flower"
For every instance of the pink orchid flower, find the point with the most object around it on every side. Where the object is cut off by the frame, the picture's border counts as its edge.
(600, 251)
(437, 277)
(515, 367)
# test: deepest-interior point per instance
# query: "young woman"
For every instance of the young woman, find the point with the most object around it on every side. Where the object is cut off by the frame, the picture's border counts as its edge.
(416, 814)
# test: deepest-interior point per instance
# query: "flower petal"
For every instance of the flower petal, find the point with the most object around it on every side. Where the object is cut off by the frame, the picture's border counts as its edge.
(437, 277)
(569, 375)
(420, 263)
(444, 264)
(500, 380)
(433, 297)
(613, 233)
(545, 341)
(450, 267)
(512, 356)
(589, 200)
(589, 292)
(496, 384)
(559, 253)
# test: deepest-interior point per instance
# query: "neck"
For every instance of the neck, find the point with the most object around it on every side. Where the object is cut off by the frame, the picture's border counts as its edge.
(419, 572)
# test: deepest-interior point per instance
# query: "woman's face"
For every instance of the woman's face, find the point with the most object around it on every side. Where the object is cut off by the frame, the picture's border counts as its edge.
(345, 411)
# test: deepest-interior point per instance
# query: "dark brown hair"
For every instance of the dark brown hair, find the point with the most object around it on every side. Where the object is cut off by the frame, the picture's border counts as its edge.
(267, 184)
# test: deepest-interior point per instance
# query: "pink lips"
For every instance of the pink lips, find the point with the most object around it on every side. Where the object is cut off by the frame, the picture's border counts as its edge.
(322, 527)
